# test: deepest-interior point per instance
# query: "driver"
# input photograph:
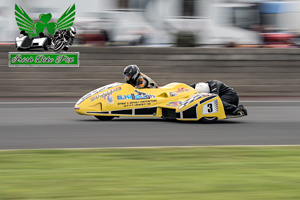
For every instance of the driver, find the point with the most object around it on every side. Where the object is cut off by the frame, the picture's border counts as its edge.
(137, 79)
(229, 97)
(23, 33)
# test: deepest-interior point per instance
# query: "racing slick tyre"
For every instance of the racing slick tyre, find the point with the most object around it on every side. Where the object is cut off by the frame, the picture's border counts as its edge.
(208, 120)
(104, 118)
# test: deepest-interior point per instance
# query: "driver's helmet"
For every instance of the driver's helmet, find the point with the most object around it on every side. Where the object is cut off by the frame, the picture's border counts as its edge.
(72, 31)
(23, 33)
(202, 88)
(131, 73)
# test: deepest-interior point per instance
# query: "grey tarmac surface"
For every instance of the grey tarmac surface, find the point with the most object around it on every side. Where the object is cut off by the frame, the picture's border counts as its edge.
(52, 124)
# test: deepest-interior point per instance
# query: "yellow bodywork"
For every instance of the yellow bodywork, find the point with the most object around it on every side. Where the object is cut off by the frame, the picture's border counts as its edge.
(174, 101)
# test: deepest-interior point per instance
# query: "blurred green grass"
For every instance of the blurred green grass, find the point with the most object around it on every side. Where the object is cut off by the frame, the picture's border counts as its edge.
(220, 173)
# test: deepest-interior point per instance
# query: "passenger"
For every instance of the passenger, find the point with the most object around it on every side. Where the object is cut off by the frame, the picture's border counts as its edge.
(137, 79)
(229, 97)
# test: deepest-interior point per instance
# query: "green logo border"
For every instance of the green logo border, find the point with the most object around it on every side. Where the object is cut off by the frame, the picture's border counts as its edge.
(45, 64)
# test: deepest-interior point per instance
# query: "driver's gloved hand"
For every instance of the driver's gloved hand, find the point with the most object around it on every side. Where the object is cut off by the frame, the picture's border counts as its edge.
(240, 110)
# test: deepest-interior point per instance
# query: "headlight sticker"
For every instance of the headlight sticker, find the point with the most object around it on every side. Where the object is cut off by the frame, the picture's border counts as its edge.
(97, 91)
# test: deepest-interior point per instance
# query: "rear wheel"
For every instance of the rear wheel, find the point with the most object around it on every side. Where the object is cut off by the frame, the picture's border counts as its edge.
(208, 120)
(104, 118)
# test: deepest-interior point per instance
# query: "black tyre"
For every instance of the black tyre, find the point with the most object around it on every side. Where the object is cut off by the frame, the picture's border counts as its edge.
(104, 118)
(46, 48)
(208, 120)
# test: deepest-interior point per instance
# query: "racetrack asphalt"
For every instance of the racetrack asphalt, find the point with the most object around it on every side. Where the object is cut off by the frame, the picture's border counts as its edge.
(54, 124)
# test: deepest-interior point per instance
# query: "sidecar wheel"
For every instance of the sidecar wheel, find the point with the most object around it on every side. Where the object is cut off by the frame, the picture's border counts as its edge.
(104, 118)
(208, 120)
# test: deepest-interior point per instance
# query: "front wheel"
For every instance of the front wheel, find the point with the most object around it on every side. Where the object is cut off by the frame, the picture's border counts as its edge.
(104, 118)
(208, 120)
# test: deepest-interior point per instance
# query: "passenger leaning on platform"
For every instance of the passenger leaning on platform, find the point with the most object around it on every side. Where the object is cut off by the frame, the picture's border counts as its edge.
(229, 97)
(137, 79)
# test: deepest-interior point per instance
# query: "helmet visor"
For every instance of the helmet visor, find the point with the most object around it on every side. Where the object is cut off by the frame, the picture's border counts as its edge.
(127, 77)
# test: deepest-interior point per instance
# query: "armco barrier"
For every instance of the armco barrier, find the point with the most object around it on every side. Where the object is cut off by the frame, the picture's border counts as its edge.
(251, 72)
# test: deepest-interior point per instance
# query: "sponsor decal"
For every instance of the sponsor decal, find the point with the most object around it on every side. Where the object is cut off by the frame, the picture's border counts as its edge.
(174, 103)
(106, 95)
(44, 34)
(172, 94)
(178, 91)
(181, 90)
(138, 96)
(137, 103)
(110, 99)
(97, 91)
(192, 99)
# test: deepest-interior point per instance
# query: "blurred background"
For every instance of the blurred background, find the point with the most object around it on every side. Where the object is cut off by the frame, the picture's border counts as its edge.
(199, 23)
(251, 45)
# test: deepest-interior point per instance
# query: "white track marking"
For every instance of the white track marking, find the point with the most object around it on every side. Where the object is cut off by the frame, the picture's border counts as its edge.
(160, 147)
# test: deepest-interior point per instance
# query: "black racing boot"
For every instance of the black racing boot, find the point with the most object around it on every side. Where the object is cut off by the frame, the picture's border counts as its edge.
(240, 110)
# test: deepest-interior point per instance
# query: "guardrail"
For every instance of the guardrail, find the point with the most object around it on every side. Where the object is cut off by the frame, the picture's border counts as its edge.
(251, 72)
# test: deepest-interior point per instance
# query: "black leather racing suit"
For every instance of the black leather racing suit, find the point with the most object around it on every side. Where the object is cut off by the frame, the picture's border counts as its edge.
(229, 97)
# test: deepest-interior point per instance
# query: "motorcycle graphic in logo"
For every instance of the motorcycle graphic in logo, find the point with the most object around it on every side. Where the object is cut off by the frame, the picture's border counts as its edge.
(45, 34)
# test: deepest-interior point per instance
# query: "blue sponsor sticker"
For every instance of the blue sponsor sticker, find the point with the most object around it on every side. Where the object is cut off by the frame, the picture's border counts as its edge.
(138, 96)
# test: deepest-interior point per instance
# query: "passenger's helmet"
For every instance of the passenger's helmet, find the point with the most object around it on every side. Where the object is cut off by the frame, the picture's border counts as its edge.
(72, 31)
(131, 73)
(202, 88)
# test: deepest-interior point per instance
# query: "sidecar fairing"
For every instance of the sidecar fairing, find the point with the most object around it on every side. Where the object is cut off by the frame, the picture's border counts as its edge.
(24, 42)
(173, 101)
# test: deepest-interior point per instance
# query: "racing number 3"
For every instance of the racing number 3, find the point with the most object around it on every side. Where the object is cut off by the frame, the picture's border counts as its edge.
(209, 108)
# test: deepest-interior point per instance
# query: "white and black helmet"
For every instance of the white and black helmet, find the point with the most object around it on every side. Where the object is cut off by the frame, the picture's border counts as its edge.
(131, 73)
(73, 31)
(202, 88)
